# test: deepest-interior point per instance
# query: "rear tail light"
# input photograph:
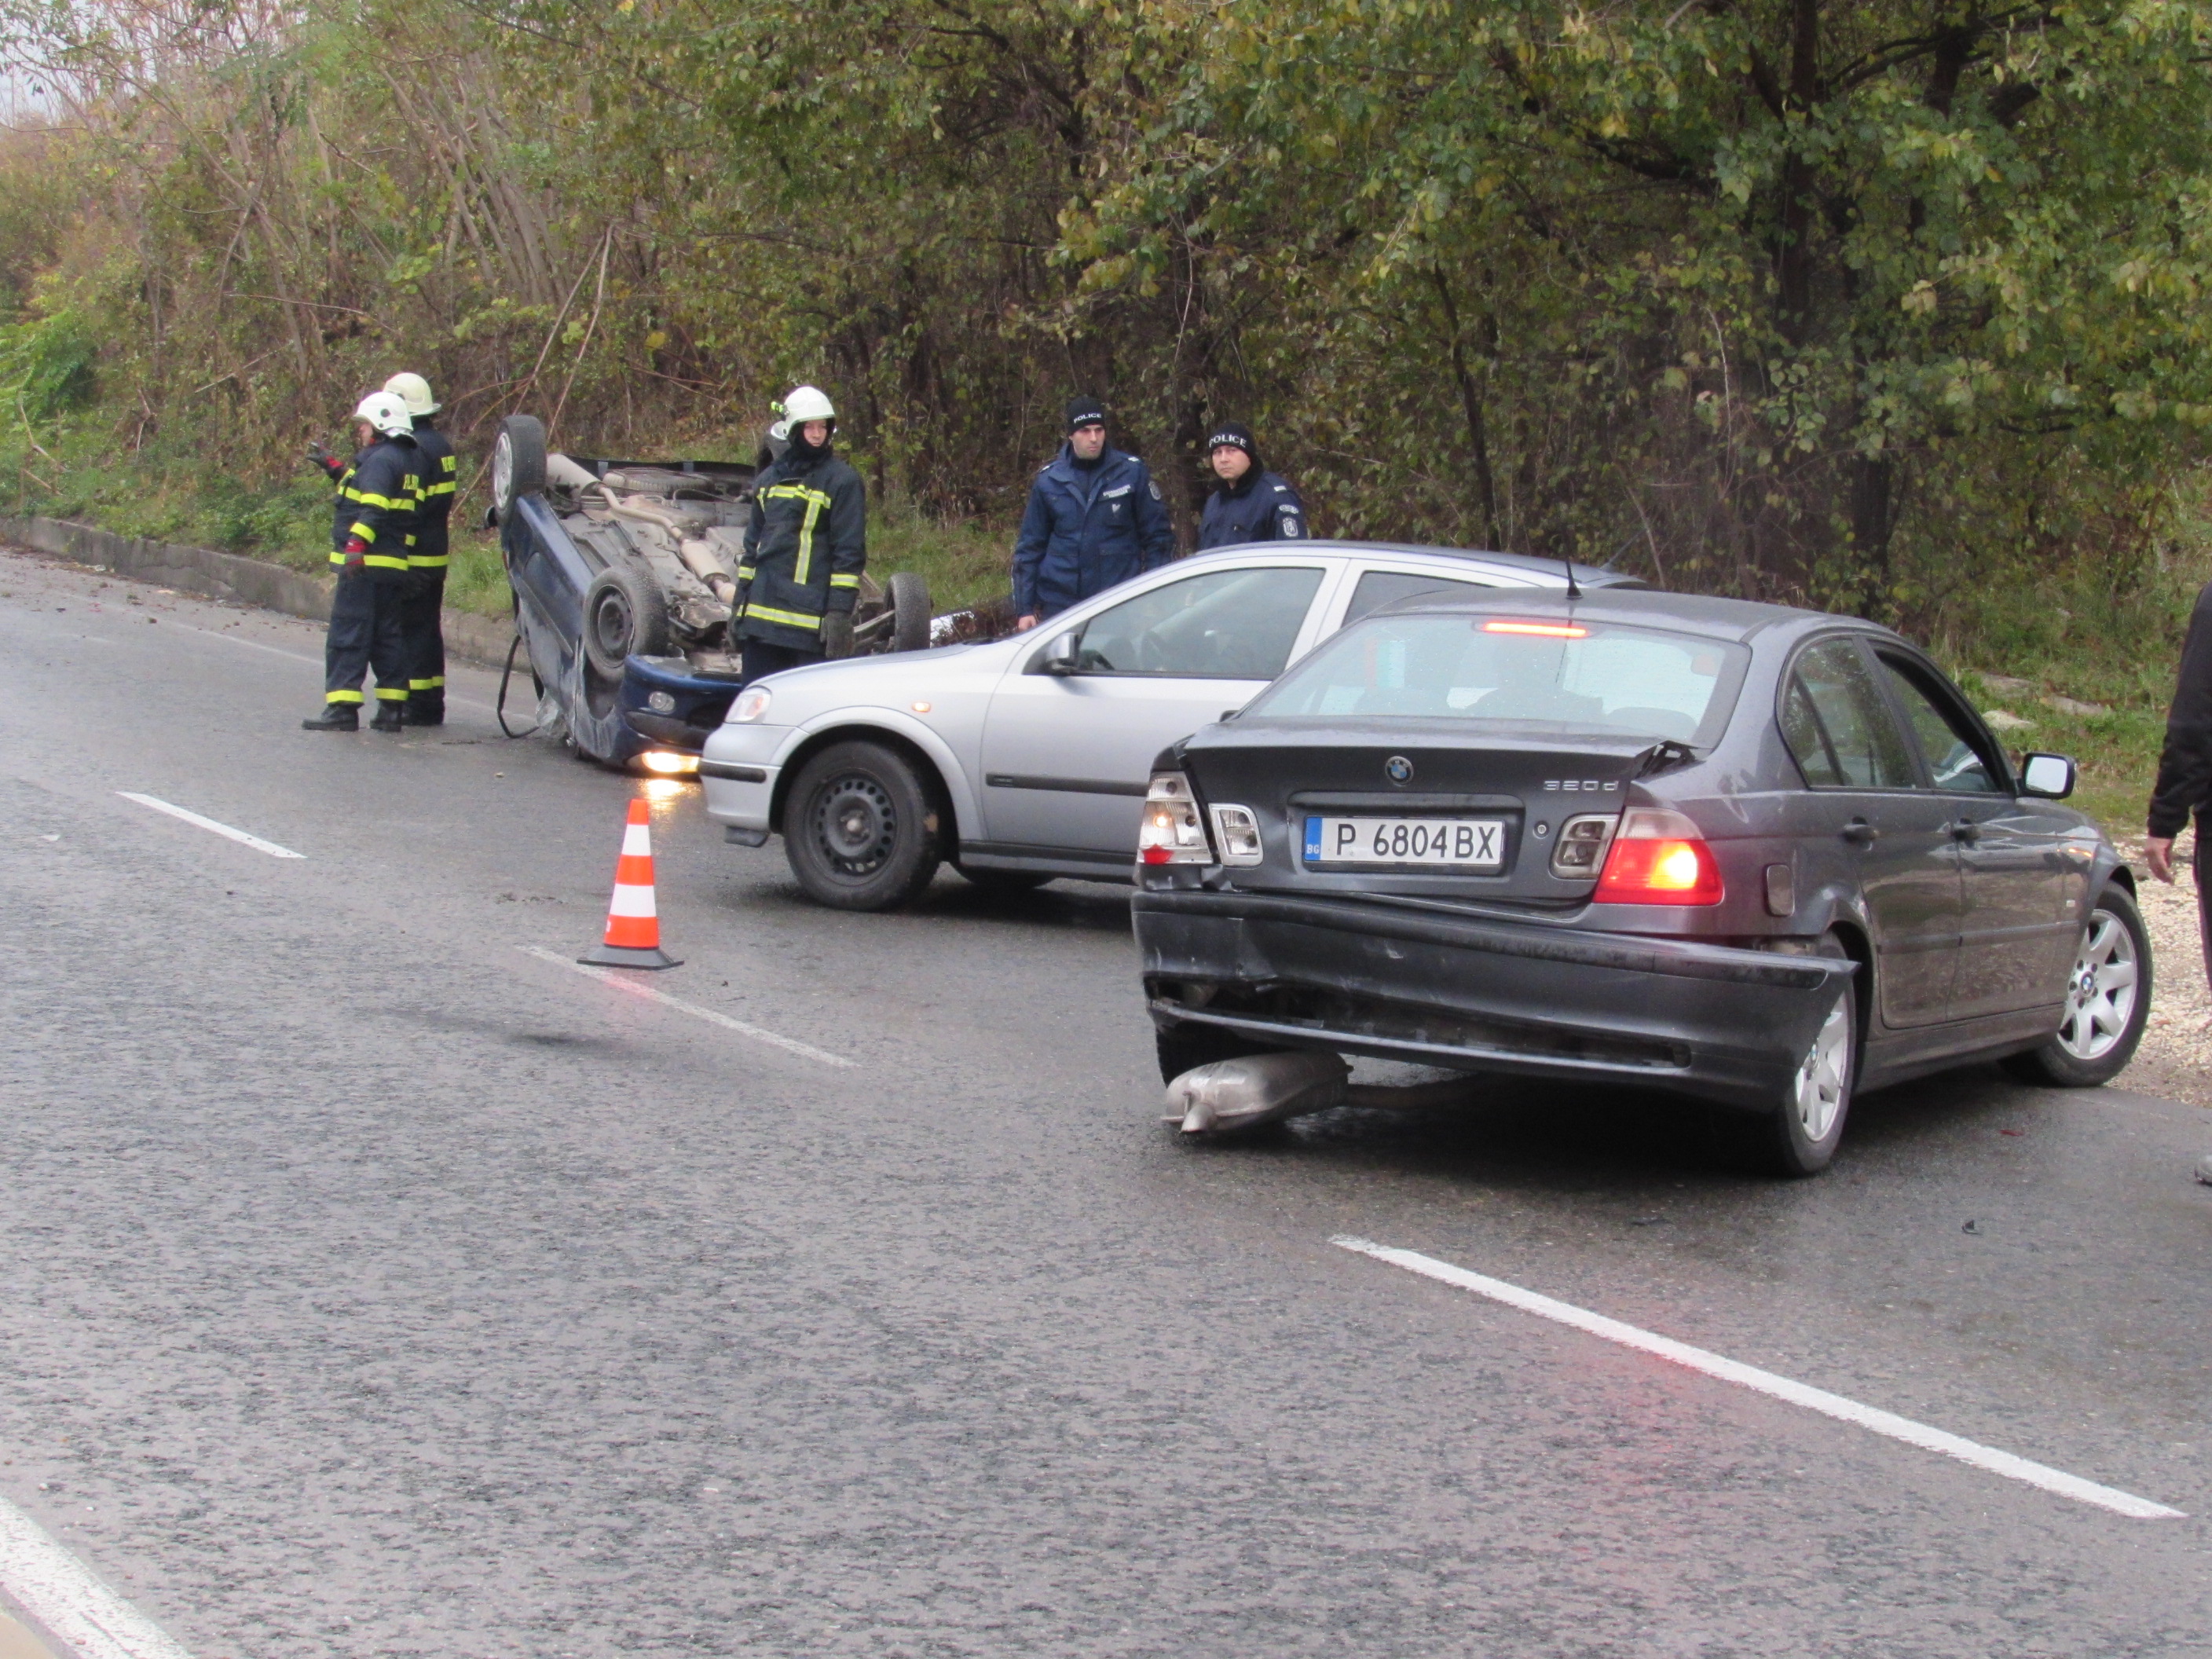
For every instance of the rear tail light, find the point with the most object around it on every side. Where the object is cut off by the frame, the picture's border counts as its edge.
(1659, 858)
(1236, 832)
(1173, 832)
(1579, 853)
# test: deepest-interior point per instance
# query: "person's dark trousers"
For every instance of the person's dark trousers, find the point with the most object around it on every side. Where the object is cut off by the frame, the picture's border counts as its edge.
(366, 635)
(2199, 855)
(420, 609)
(763, 658)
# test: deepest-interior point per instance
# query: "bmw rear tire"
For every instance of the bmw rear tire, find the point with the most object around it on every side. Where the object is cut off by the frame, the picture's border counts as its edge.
(1798, 1135)
(2107, 1002)
(860, 828)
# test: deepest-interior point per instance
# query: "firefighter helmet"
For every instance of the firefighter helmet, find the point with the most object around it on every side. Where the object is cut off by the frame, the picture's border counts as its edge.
(385, 413)
(414, 390)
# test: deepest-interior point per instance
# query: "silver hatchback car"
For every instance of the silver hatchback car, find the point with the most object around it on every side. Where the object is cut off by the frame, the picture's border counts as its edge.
(1027, 758)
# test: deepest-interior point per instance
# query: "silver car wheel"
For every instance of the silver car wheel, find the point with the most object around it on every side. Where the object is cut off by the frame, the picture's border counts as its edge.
(502, 471)
(2101, 993)
(1823, 1080)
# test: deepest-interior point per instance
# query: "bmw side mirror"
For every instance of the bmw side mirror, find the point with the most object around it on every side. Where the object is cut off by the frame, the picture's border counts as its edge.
(2050, 776)
(1062, 655)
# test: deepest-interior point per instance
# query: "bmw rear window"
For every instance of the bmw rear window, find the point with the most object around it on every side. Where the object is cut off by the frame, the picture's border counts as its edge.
(1500, 670)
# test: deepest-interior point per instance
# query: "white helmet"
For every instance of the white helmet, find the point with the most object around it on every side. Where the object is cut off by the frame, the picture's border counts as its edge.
(385, 413)
(414, 392)
(805, 403)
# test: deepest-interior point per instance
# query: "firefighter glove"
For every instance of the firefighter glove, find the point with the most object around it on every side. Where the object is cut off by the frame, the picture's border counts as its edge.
(837, 634)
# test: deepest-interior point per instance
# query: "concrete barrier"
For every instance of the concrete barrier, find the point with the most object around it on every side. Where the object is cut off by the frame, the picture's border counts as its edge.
(231, 577)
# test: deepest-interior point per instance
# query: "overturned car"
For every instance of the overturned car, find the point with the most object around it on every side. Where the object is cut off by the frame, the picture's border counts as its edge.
(624, 573)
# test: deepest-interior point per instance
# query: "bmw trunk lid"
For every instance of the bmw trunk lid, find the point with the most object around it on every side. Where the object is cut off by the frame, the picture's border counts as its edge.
(1360, 806)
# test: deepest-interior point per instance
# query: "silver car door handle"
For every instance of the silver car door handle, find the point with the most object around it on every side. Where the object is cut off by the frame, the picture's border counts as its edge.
(1860, 833)
(1966, 830)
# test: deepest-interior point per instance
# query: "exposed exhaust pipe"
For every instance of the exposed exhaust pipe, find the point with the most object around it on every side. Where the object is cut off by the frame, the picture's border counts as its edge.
(1230, 1095)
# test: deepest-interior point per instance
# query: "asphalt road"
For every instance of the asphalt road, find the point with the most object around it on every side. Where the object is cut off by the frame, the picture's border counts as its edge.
(373, 1285)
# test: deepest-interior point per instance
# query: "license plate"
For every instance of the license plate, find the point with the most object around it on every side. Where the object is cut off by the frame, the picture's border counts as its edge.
(1450, 843)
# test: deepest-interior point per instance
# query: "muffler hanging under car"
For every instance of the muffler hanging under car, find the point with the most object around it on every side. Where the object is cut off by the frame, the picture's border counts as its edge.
(1230, 1095)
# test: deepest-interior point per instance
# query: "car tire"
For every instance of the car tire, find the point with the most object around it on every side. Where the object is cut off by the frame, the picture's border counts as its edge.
(2107, 1002)
(859, 828)
(1798, 1135)
(909, 600)
(518, 461)
(625, 616)
(1183, 1046)
(1005, 881)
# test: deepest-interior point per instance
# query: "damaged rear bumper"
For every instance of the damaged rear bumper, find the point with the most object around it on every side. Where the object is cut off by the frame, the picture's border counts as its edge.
(1727, 1025)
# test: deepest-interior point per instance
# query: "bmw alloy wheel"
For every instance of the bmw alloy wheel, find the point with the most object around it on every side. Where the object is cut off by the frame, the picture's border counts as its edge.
(2100, 992)
(1824, 1079)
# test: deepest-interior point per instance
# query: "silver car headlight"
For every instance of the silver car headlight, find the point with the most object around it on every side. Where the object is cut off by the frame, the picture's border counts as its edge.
(751, 704)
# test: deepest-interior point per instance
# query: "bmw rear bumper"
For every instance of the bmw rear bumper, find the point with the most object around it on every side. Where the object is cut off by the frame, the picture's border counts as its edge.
(1727, 1025)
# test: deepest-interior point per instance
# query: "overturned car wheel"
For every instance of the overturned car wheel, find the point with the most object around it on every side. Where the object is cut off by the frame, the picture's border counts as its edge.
(625, 615)
(859, 828)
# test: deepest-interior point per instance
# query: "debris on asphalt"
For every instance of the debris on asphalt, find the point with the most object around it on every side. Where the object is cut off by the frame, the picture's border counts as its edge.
(1227, 1095)
(1972, 1226)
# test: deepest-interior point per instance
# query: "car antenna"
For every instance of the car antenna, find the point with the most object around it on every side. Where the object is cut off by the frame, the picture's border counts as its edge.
(1573, 591)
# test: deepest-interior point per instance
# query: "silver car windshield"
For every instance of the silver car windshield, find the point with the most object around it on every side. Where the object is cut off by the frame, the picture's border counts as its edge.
(1593, 677)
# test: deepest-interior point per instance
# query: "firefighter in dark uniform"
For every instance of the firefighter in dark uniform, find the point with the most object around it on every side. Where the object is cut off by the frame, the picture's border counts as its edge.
(378, 497)
(425, 600)
(1095, 518)
(1247, 503)
(804, 549)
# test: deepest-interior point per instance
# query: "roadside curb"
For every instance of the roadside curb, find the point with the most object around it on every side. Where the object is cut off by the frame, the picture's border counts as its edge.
(231, 577)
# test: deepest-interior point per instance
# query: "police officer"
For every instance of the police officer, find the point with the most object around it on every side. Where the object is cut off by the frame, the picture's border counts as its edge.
(1247, 503)
(376, 514)
(804, 549)
(425, 599)
(1095, 518)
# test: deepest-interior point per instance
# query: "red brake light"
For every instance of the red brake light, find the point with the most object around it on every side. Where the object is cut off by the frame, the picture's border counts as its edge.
(1659, 858)
(1545, 630)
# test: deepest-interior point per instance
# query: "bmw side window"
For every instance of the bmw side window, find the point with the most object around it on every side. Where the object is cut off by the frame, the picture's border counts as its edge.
(1838, 728)
(1380, 587)
(1225, 624)
(1955, 761)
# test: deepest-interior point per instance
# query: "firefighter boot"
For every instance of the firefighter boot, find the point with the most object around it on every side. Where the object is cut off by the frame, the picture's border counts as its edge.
(426, 709)
(334, 717)
(390, 716)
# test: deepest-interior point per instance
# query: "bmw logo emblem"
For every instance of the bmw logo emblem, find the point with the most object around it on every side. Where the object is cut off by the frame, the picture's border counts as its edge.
(1398, 770)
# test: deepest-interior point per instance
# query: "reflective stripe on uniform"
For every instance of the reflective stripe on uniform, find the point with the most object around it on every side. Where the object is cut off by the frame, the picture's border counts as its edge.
(383, 562)
(341, 696)
(435, 683)
(357, 528)
(392, 694)
(839, 579)
(788, 618)
(817, 502)
(384, 502)
(745, 572)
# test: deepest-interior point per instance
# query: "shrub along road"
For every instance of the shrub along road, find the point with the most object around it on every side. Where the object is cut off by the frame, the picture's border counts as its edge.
(374, 1284)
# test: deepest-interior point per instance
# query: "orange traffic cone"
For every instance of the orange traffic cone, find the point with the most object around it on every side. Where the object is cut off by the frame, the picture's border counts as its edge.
(633, 937)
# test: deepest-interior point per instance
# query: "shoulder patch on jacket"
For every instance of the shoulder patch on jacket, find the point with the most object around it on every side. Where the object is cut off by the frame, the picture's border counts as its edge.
(1153, 484)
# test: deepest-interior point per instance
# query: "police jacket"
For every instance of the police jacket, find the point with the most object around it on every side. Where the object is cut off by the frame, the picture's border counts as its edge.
(805, 550)
(2185, 769)
(441, 480)
(1261, 506)
(377, 504)
(1087, 528)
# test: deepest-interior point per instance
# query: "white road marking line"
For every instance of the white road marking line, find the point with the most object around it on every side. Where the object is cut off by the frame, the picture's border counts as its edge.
(1766, 1382)
(312, 662)
(621, 982)
(175, 811)
(69, 1598)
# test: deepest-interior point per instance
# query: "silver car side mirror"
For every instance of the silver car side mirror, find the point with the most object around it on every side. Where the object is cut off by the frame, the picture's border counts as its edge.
(1061, 657)
(2050, 776)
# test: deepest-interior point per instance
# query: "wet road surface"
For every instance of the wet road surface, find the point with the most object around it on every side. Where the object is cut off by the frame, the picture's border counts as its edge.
(373, 1285)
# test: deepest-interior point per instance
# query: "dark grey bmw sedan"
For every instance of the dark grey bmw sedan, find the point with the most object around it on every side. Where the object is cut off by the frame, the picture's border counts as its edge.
(1761, 856)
